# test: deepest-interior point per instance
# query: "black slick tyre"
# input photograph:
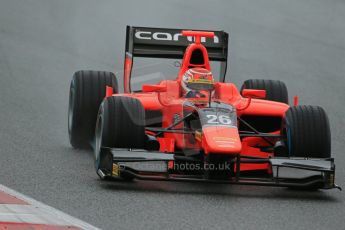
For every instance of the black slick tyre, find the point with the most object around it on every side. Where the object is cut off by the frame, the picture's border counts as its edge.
(275, 90)
(307, 132)
(87, 90)
(120, 124)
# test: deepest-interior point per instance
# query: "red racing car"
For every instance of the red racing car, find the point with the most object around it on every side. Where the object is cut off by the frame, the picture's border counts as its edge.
(193, 125)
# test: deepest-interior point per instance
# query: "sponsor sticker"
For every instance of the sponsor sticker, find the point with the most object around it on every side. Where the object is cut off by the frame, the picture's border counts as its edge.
(198, 135)
(116, 170)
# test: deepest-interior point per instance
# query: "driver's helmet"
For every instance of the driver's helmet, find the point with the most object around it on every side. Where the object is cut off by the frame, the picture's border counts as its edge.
(199, 77)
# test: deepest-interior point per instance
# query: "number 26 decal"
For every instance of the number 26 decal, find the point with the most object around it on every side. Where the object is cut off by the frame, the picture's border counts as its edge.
(222, 119)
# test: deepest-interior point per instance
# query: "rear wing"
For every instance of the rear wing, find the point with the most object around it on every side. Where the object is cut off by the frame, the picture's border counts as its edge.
(169, 43)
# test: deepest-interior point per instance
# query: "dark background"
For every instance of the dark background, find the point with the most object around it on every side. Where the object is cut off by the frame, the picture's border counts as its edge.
(42, 43)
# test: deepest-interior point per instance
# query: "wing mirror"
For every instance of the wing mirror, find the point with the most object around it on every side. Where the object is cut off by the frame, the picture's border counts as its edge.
(154, 88)
(254, 93)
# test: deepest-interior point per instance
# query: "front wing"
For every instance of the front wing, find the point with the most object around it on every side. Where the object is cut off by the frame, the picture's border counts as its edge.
(286, 172)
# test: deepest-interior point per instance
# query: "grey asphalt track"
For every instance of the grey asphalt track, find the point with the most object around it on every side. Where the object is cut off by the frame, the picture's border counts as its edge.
(43, 42)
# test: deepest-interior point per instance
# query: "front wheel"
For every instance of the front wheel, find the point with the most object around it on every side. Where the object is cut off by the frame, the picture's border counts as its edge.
(120, 124)
(307, 132)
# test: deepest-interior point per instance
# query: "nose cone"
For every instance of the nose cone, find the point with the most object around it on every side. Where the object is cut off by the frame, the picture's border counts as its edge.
(221, 139)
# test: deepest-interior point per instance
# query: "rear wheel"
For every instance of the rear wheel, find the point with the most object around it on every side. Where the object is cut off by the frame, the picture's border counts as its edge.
(120, 124)
(275, 90)
(307, 132)
(87, 91)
